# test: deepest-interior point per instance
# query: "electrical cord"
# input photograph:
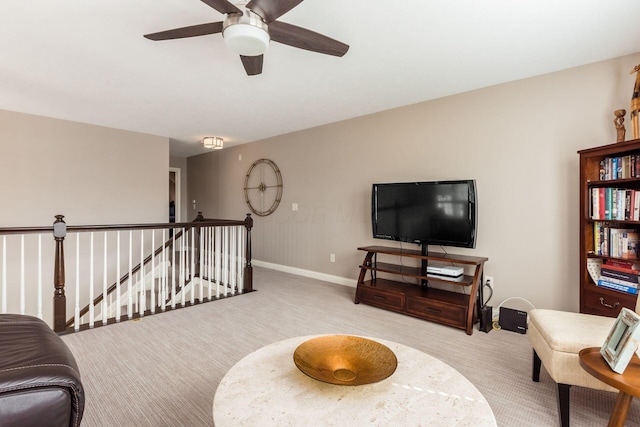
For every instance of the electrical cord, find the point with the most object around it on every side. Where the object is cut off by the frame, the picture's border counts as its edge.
(519, 298)
(487, 285)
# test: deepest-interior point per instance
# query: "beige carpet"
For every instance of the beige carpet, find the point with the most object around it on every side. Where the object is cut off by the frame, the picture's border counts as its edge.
(163, 370)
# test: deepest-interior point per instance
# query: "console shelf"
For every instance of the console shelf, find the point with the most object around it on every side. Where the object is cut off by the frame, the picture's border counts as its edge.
(451, 308)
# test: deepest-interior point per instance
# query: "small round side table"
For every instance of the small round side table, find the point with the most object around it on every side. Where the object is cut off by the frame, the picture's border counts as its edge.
(628, 382)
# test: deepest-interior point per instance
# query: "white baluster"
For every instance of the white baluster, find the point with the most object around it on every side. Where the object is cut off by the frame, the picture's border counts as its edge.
(131, 289)
(141, 287)
(91, 306)
(174, 271)
(241, 257)
(4, 274)
(76, 310)
(22, 278)
(225, 259)
(209, 259)
(234, 260)
(104, 282)
(231, 259)
(118, 276)
(218, 263)
(193, 263)
(163, 296)
(182, 265)
(39, 276)
(152, 297)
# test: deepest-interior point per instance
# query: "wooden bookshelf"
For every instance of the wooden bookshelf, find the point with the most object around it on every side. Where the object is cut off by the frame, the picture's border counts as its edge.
(596, 172)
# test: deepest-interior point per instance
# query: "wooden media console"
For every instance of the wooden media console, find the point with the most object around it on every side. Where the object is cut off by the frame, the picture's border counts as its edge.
(421, 300)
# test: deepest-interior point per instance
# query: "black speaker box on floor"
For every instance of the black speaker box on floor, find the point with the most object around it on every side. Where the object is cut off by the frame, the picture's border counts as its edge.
(486, 318)
(513, 320)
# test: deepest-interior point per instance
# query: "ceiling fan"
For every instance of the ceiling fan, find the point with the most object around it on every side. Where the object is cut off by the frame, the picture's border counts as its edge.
(249, 26)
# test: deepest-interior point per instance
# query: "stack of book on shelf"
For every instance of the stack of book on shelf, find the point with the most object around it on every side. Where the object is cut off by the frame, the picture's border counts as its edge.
(620, 167)
(619, 276)
(615, 242)
(619, 204)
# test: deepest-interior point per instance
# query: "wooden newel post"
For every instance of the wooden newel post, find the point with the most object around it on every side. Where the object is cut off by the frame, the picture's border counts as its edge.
(248, 269)
(59, 299)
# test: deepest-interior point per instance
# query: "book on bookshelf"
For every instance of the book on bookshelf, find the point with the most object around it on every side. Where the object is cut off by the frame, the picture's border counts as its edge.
(619, 167)
(634, 282)
(630, 245)
(610, 284)
(627, 205)
(614, 204)
(610, 271)
(629, 265)
(618, 238)
(601, 238)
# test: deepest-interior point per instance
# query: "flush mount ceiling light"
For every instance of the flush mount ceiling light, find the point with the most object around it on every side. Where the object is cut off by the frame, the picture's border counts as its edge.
(213, 142)
(246, 33)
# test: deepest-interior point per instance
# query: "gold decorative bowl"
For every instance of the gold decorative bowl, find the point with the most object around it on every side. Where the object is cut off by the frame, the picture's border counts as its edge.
(345, 360)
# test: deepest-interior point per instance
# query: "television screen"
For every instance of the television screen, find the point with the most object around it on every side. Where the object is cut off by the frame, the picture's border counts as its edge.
(431, 213)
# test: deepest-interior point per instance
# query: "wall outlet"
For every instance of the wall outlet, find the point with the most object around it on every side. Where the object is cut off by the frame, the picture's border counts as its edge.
(332, 257)
(294, 207)
(488, 280)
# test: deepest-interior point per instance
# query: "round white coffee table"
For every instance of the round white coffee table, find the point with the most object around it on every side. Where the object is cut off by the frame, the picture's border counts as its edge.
(266, 388)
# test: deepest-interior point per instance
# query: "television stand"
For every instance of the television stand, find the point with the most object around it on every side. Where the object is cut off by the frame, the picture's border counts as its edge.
(447, 307)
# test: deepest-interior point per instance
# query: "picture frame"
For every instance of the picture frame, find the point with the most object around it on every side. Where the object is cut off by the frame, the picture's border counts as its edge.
(622, 340)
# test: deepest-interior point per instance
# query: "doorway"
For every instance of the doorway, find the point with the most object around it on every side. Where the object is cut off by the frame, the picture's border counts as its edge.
(175, 198)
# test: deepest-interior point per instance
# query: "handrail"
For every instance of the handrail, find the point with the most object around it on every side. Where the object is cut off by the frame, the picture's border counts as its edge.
(115, 227)
(25, 230)
(59, 229)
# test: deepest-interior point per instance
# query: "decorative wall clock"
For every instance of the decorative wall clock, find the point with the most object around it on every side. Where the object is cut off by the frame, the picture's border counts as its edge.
(263, 187)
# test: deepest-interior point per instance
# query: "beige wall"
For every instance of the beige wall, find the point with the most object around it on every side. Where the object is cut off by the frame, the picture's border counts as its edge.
(518, 140)
(204, 185)
(90, 174)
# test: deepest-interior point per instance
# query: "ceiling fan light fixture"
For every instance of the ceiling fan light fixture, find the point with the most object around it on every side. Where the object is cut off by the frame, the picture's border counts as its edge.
(246, 34)
(213, 142)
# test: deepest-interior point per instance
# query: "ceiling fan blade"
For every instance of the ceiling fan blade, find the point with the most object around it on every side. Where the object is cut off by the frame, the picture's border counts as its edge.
(302, 38)
(191, 31)
(222, 6)
(252, 64)
(270, 10)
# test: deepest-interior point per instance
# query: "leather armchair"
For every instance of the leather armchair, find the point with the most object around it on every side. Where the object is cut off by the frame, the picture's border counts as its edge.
(39, 378)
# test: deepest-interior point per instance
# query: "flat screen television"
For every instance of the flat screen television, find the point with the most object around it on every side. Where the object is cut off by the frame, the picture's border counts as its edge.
(427, 213)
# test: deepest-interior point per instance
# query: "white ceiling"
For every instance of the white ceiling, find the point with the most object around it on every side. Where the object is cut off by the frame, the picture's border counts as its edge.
(86, 60)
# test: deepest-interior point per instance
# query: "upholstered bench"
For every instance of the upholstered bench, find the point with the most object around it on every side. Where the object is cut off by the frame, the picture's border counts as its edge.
(557, 337)
(39, 379)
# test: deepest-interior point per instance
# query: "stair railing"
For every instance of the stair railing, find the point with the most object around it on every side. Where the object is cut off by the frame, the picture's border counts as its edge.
(206, 255)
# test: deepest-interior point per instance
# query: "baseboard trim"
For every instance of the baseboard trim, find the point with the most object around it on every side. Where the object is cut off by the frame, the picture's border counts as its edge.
(306, 273)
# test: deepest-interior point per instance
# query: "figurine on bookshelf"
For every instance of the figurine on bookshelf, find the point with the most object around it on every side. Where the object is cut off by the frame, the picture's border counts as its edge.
(635, 103)
(619, 122)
